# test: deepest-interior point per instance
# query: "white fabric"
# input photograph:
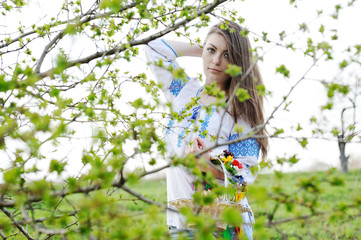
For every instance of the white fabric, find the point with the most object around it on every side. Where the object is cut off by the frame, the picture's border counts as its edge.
(179, 180)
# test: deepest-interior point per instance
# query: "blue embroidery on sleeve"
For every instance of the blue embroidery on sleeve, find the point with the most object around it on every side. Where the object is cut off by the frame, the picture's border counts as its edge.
(204, 125)
(199, 90)
(195, 112)
(170, 124)
(249, 147)
(176, 86)
(181, 135)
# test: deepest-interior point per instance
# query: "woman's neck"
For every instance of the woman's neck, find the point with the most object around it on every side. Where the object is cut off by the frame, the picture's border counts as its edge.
(205, 99)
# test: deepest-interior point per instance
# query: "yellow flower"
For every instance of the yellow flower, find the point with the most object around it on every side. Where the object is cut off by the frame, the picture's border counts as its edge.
(228, 159)
(239, 196)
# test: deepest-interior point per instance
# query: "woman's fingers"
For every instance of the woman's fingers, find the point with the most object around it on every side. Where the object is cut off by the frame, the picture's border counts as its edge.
(200, 143)
(188, 149)
(196, 146)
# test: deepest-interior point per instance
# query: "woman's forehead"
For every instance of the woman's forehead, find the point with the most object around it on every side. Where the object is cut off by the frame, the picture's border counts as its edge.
(218, 41)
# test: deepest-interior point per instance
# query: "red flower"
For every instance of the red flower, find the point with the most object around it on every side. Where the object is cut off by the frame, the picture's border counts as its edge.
(238, 164)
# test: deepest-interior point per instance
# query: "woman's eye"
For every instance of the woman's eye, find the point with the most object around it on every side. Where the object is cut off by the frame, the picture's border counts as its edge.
(226, 55)
(211, 50)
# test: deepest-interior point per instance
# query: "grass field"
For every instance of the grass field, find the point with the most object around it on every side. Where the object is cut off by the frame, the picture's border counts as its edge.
(334, 216)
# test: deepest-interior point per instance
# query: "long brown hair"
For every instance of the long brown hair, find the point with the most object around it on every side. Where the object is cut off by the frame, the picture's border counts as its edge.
(240, 54)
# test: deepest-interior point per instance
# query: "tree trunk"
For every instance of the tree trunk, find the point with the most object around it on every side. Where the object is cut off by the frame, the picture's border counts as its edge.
(343, 157)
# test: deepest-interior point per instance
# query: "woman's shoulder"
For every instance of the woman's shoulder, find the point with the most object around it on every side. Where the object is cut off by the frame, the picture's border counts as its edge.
(241, 125)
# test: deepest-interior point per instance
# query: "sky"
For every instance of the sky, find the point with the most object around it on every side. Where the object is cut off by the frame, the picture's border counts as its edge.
(260, 16)
(276, 16)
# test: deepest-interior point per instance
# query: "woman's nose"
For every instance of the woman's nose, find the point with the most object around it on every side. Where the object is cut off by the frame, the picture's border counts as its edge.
(217, 59)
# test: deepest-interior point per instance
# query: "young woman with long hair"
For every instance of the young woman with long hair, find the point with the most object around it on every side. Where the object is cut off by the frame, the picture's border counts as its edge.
(202, 128)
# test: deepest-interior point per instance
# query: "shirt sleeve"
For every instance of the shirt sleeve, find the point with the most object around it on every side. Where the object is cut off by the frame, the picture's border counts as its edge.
(161, 57)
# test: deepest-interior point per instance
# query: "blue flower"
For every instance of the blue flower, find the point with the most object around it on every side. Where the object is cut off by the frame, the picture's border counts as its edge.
(238, 179)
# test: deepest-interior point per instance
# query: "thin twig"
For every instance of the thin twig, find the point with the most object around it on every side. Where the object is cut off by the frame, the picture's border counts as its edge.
(38, 228)
(159, 34)
(46, 50)
(13, 220)
(88, 19)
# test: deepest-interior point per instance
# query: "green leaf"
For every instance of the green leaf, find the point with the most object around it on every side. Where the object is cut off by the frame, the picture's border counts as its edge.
(303, 27)
(56, 166)
(138, 103)
(303, 142)
(322, 29)
(325, 46)
(344, 89)
(233, 70)
(313, 119)
(40, 188)
(358, 49)
(343, 64)
(232, 217)
(335, 132)
(6, 85)
(180, 74)
(72, 29)
(12, 176)
(278, 131)
(242, 94)
(261, 90)
(293, 159)
(152, 162)
(337, 181)
(114, 5)
(61, 64)
(283, 70)
(54, 92)
(327, 106)
(86, 159)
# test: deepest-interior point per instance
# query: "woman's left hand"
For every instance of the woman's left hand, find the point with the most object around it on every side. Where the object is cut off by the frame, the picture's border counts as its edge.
(197, 145)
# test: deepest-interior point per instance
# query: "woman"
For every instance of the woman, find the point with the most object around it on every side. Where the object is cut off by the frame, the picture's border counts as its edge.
(198, 129)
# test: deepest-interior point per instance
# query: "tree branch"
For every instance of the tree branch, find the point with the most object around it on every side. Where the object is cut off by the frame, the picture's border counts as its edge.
(2, 235)
(41, 229)
(159, 34)
(46, 50)
(142, 198)
(305, 217)
(155, 170)
(89, 18)
(21, 229)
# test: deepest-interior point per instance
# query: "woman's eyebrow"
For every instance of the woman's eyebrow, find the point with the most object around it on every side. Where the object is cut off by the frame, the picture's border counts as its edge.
(212, 45)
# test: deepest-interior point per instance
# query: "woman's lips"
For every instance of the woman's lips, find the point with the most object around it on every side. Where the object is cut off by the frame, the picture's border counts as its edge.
(213, 70)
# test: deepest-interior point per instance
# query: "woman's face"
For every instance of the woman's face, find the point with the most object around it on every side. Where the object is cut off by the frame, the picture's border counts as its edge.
(215, 60)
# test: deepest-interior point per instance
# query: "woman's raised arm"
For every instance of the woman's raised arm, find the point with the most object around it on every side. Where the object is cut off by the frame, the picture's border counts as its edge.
(184, 49)
(161, 56)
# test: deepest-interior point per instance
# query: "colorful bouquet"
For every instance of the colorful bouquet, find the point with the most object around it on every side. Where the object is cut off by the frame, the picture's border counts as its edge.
(234, 171)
